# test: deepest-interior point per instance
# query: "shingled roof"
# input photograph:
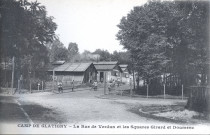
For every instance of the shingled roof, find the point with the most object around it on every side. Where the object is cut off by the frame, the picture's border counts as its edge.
(72, 67)
(106, 65)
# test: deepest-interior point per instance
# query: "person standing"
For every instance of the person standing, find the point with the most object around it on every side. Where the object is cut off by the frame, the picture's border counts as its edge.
(20, 81)
(95, 85)
(72, 84)
(60, 87)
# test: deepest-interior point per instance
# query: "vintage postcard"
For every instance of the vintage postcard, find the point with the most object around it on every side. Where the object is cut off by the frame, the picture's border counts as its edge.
(104, 67)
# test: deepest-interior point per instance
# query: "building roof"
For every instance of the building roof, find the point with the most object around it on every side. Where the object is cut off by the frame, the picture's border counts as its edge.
(72, 67)
(123, 67)
(105, 63)
(104, 67)
(58, 62)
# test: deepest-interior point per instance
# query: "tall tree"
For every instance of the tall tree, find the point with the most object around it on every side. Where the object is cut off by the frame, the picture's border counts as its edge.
(25, 27)
(104, 54)
(142, 33)
(58, 51)
(163, 34)
(121, 57)
(193, 33)
(25, 31)
(73, 50)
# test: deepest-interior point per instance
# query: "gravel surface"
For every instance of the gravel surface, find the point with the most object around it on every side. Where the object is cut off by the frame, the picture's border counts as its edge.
(85, 106)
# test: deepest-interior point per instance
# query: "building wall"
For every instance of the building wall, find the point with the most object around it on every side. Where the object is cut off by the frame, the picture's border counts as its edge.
(125, 77)
(110, 76)
(69, 76)
(83, 77)
(90, 74)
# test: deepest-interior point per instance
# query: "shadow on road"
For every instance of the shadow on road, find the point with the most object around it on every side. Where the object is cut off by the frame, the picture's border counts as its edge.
(10, 111)
(39, 113)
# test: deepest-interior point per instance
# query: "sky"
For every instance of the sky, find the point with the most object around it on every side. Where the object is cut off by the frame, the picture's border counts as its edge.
(92, 24)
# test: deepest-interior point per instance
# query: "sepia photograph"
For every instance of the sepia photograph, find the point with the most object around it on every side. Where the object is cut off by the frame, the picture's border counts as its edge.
(104, 67)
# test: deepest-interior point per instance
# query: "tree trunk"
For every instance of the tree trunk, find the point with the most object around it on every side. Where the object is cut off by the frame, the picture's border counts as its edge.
(137, 81)
(199, 100)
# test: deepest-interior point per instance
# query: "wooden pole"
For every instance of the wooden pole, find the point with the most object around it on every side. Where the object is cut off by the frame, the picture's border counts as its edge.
(30, 84)
(53, 80)
(38, 86)
(134, 80)
(182, 92)
(131, 88)
(164, 91)
(131, 92)
(13, 71)
(104, 83)
(121, 90)
(147, 90)
(42, 85)
(18, 85)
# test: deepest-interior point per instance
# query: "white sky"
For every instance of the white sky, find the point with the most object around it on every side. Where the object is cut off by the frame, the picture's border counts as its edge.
(89, 23)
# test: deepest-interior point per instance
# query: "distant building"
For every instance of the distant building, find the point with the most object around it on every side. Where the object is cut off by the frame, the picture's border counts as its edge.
(125, 73)
(79, 72)
(111, 68)
(58, 62)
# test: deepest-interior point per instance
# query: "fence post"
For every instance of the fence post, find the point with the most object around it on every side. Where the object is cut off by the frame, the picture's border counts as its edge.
(182, 91)
(121, 90)
(147, 90)
(38, 86)
(53, 80)
(13, 70)
(18, 85)
(42, 85)
(30, 85)
(104, 83)
(164, 91)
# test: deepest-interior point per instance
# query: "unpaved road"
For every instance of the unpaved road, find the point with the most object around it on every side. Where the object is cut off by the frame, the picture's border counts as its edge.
(84, 107)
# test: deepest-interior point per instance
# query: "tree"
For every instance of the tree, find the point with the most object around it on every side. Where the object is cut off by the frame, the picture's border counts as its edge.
(194, 36)
(57, 51)
(73, 50)
(121, 57)
(25, 27)
(167, 34)
(104, 54)
(25, 31)
(88, 56)
(142, 33)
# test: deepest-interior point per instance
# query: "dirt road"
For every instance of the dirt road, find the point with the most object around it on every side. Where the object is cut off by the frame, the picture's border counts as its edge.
(83, 107)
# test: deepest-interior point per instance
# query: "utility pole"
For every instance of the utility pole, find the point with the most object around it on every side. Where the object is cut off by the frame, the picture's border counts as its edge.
(164, 90)
(13, 71)
(104, 83)
(182, 92)
(42, 86)
(147, 90)
(53, 80)
(30, 81)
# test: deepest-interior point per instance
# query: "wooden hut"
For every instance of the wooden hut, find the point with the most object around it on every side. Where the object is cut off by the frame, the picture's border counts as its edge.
(110, 68)
(79, 72)
(125, 73)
